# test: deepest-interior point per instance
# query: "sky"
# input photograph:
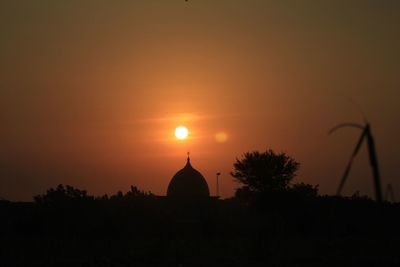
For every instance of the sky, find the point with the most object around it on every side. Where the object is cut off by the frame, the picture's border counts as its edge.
(92, 91)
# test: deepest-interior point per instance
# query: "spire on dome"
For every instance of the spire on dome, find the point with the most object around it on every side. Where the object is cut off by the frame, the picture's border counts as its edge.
(188, 165)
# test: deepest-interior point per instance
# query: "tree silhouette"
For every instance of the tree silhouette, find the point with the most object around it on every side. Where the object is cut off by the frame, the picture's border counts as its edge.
(61, 196)
(264, 172)
(304, 190)
(136, 193)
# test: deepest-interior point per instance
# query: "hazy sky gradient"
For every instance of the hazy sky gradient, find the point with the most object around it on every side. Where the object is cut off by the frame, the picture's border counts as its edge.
(91, 91)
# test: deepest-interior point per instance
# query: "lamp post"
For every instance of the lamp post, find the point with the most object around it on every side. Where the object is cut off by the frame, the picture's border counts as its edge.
(218, 174)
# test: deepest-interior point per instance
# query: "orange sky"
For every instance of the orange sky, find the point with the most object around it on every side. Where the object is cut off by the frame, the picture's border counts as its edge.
(90, 94)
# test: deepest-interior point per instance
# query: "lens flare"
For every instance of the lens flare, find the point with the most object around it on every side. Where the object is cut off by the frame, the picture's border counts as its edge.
(221, 137)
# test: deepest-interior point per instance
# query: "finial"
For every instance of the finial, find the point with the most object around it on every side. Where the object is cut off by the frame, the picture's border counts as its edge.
(188, 156)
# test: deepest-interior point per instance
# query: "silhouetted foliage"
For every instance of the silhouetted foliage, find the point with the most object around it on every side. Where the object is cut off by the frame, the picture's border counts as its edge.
(61, 196)
(136, 193)
(137, 228)
(304, 190)
(264, 172)
(243, 192)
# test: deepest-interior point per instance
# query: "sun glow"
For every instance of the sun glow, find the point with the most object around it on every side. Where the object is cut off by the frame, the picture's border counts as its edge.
(181, 132)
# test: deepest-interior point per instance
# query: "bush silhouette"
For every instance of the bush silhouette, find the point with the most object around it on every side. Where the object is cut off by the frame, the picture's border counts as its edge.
(264, 172)
(62, 196)
(267, 177)
(304, 190)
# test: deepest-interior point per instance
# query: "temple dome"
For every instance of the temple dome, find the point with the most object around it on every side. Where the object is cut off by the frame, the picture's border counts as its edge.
(188, 182)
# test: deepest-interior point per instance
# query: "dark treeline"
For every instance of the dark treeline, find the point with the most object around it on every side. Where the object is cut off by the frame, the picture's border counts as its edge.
(271, 221)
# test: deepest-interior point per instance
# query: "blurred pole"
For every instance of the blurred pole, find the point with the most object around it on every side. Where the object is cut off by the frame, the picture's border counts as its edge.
(218, 174)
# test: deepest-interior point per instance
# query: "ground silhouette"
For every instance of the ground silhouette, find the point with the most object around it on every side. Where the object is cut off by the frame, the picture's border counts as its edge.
(286, 225)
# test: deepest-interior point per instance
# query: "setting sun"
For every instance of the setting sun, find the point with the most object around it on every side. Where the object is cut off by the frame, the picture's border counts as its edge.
(181, 132)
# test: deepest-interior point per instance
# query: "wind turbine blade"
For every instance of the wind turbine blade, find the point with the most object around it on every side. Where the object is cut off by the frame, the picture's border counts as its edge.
(342, 125)
(374, 164)
(347, 170)
(344, 177)
(359, 143)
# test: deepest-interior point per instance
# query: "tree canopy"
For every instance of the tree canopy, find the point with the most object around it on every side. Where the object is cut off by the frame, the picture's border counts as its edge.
(262, 172)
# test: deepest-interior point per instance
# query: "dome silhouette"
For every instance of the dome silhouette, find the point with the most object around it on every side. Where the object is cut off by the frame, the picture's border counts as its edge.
(188, 182)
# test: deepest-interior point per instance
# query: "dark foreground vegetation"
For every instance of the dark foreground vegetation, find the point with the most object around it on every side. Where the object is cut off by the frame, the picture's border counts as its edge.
(69, 228)
(267, 223)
